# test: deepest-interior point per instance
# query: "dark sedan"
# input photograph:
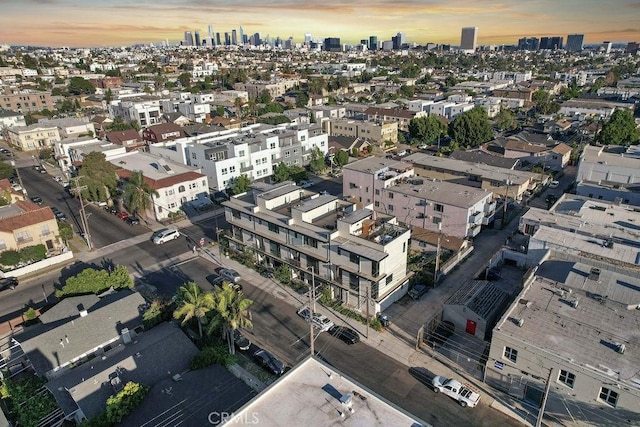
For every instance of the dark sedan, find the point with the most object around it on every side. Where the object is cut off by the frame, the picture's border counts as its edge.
(347, 335)
(269, 362)
(37, 200)
(241, 341)
(132, 220)
(8, 283)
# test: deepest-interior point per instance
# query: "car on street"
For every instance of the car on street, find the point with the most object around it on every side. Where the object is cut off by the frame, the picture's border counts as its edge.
(554, 184)
(37, 200)
(268, 361)
(347, 335)
(241, 341)
(132, 220)
(229, 275)
(417, 291)
(383, 319)
(306, 184)
(58, 213)
(8, 283)
(422, 147)
(465, 394)
(123, 215)
(551, 199)
(165, 235)
(320, 321)
(111, 209)
(215, 280)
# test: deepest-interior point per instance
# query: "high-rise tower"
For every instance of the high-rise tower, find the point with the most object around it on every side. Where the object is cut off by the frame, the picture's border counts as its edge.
(469, 38)
(575, 43)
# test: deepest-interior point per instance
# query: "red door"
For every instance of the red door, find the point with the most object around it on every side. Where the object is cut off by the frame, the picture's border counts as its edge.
(471, 327)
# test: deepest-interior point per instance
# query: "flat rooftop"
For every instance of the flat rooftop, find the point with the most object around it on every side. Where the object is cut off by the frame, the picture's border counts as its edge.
(150, 165)
(310, 395)
(611, 156)
(375, 164)
(587, 334)
(442, 192)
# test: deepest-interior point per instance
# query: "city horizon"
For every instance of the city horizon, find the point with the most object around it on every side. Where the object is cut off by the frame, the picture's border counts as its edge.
(61, 23)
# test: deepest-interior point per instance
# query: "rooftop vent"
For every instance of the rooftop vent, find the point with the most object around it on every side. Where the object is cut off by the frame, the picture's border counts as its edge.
(594, 274)
(620, 348)
(520, 322)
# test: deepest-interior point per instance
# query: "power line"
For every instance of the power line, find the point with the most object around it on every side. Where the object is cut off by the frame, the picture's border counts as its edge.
(77, 189)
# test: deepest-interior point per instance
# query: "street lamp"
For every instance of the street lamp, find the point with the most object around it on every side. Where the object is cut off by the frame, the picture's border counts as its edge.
(312, 308)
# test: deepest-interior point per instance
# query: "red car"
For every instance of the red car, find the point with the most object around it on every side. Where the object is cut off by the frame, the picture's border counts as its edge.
(123, 215)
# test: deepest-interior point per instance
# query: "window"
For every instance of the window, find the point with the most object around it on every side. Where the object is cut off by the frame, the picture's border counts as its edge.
(232, 169)
(377, 192)
(390, 208)
(241, 153)
(274, 228)
(181, 189)
(389, 278)
(608, 396)
(437, 220)
(375, 268)
(391, 195)
(224, 171)
(194, 156)
(287, 154)
(438, 207)
(23, 236)
(354, 258)
(235, 213)
(44, 230)
(377, 204)
(511, 354)
(567, 378)
(352, 186)
(169, 192)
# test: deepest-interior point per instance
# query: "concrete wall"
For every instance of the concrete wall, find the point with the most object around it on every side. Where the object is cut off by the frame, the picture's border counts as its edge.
(31, 268)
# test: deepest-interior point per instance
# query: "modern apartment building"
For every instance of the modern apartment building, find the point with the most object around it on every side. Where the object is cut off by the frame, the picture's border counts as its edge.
(357, 253)
(434, 205)
(378, 132)
(402, 117)
(33, 137)
(145, 111)
(275, 88)
(27, 101)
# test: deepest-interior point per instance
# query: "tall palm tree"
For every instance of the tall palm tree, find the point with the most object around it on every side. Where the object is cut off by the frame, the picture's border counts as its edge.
(194, 303)
(138, 194)
(231, 312)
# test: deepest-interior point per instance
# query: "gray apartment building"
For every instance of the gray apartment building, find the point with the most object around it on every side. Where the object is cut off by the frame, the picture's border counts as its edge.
(354, 251)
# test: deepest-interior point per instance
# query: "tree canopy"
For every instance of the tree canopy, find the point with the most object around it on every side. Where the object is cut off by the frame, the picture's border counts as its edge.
(504, 119)
(620, 129)
(341, 158)
(6, 170)
(317, 164)
(240, 184)
(472, 128)
(545, 103)
(138, 195)
(98, 176)
(78, 86)
(95, 281)
(427, 128)
(284, 172)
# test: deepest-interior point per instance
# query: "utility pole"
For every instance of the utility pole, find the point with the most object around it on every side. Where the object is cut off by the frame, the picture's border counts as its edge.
(544, 399)
(77, 189)
(437, 269)
(15, 167)
(505, 203)
(367, 302)
(312, 306)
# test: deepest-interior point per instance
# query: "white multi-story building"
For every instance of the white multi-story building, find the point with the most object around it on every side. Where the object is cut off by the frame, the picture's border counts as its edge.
(204, 69)
(355, 252)
(10, 118)
(490, 104)
(146, 111)
(176, 185)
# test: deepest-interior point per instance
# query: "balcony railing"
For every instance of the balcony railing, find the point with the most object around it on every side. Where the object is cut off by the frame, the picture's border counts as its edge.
(475, 217)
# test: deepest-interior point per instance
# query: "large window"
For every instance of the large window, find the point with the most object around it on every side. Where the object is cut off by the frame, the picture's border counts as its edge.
(511, 354)
(608, 396)
(274, 228)
(567, 378)
(354, 258)
(438, 207)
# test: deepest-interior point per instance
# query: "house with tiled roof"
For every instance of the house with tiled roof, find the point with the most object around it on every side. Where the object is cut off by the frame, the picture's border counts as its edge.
(24, 223)
(162, 132)
(130, 138)
(402, 117)
(176, 185)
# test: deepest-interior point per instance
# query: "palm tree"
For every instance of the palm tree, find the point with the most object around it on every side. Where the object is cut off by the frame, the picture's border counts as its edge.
(231, 312)
(138, 194)
(193, 303)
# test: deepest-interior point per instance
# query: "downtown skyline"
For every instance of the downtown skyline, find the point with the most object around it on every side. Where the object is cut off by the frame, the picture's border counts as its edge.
(93, 23)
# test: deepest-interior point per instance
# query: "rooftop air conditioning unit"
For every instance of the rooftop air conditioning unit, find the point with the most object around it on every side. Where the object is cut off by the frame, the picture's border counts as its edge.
(620, 348)
(520, 322)
(594, 274)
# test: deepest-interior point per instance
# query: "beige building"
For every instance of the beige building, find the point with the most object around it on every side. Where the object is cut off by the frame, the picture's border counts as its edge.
(24, 223)
(378, 132)
(33, 137)
(274, 87)
(27, 101)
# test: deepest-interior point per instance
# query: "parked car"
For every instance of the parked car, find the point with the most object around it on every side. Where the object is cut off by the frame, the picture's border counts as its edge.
(132, 220)
(554, 184)
(320, 321)
(383, 319)
(111, 209)
(422, 147)
(165, 235)
(417, 291)
(551, 198)
(8, 283)
(58, 214)
(402, 153)
(465, 394)
(241, 341)
(215, 280)
(229, 275)
(347, 335)
(269, 362)
(37, 200)
(306, 184)
(123, 215)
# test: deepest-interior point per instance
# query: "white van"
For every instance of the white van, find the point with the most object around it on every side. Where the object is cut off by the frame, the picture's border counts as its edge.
(165, 235)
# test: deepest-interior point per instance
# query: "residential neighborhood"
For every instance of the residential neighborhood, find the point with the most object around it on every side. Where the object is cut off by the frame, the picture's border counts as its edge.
(378, 233)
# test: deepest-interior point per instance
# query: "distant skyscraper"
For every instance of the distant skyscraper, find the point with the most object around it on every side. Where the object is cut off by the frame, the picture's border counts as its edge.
(210, 40)
(307, 38)
(632, 48)
(218, 42)
(528, 43)
(606, 46)
(188, 38)
(332, 44)
(551, 43)
(575, 42)
(469, 38)
(227, 39)
(373, 43)
(198, 43)
(234, 37)
(242, 41)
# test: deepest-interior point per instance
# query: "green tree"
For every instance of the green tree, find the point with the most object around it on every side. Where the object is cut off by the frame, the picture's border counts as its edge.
(91, 280)
(33, 253)
(66, 232)
(231, 312)
(282, 274)
(317, 164)
(99, 177)
(240, 184)
(193, 304)
(108, 96)
(138, 194)
(281, 172)
(185, 80)
(504, 119)
(6, 170)
(123, 403)
(545, 103)
(620, 129)
(341, 158)
(78, 85)
(427, 128)
(407, 91)
(264, 97)
(471, 128)
(9, 257)
(45, 153)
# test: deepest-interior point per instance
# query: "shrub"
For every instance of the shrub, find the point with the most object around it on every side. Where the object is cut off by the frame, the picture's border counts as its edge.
(375, 324)
(121, 405)
(30, 314)
(95, 281)
(9, 257)
(33, 253)
(216, 354)
(158, 312)
(282, 274)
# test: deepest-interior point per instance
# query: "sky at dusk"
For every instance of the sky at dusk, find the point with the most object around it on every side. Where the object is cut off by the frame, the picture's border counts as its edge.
(92, 23)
